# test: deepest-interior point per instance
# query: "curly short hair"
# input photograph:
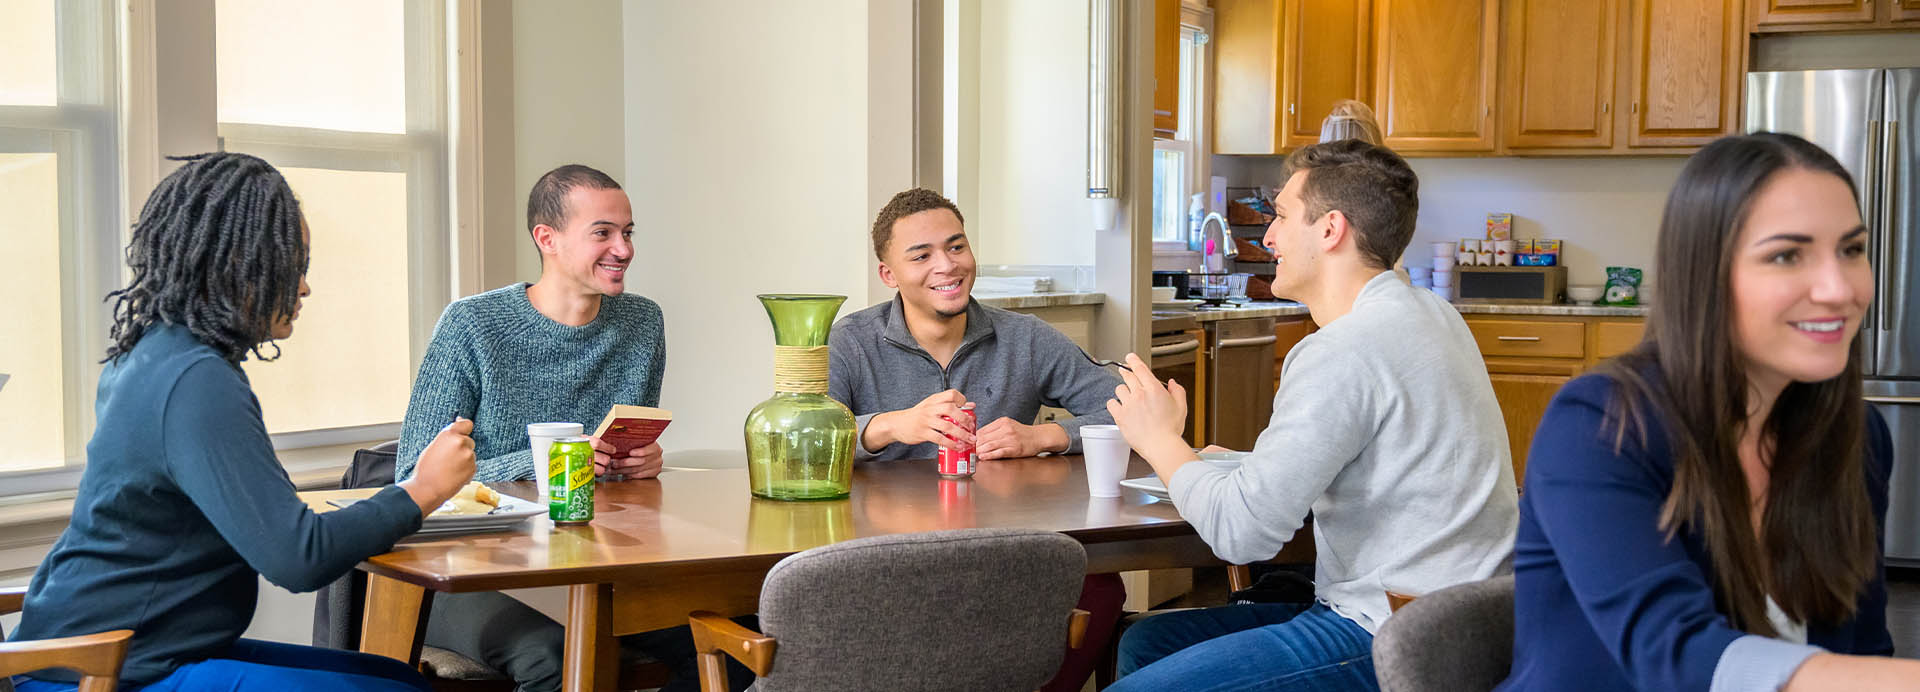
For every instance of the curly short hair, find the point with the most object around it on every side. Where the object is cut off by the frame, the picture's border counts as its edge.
(217, 249)
(1373, 186)
(903, 205)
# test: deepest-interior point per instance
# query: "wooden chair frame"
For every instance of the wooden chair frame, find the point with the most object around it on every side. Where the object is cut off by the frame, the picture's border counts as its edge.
(96, 657)
(714, 636)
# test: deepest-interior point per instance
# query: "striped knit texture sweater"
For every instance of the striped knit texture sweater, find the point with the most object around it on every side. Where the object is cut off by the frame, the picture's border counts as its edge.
(497, 360)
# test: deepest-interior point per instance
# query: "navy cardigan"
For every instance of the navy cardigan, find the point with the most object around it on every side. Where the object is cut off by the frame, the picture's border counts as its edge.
(1602, 600)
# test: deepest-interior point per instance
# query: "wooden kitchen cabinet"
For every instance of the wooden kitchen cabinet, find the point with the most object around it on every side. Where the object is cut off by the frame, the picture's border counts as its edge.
(1560, 61)
(1166, 68)
(1287, 332)
(1824, 16)
(1280, 65)
(1528, 358)
(1688, 67)
(1434, 73)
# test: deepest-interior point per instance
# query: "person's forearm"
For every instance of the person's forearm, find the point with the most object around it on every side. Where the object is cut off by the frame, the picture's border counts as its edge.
(1864, 673)
(1052, 437)
(879, 432)
(1166, 454)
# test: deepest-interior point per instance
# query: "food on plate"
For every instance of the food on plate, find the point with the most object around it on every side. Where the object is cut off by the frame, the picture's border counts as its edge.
(474, 498)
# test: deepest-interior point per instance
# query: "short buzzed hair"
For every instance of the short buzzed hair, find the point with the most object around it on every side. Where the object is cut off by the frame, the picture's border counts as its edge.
(547, 204)
(1370, 184)
(903, 205)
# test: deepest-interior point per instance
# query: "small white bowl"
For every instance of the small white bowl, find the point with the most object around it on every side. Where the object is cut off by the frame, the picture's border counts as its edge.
(1583, 294)
(1162, 294)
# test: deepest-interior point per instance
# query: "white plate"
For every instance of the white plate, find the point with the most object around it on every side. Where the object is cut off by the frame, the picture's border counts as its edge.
(1151, 485)
(1177, 304)
(511, 512)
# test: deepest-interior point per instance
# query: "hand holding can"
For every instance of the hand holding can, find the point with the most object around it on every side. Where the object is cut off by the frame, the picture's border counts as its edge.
(957, 458)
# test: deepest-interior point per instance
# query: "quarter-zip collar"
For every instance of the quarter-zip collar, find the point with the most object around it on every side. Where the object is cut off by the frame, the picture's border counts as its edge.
(979, 328)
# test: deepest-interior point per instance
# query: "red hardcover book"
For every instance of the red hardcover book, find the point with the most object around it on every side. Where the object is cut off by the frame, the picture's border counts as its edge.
(627, 428)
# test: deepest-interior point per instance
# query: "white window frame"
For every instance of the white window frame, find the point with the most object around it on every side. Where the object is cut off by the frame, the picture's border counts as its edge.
(120, 131)
(83, 130)
(1194, 114)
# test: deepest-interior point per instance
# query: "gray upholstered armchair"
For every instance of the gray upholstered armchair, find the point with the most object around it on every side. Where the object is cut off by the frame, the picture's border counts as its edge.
(1458, 639)
(974, 609)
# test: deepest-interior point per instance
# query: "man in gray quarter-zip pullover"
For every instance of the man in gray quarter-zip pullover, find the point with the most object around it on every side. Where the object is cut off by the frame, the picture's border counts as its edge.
(903, 364)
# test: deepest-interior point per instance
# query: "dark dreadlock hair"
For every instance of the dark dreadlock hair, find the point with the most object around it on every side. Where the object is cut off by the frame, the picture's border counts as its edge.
(216, 249)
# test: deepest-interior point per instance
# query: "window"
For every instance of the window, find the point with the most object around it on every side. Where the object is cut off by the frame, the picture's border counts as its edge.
(1177, 166)
(60, 214)
(346, 98)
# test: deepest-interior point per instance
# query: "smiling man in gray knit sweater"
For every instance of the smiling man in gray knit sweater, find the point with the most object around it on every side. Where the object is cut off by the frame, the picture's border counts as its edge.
(563, 349)
(1385, 428)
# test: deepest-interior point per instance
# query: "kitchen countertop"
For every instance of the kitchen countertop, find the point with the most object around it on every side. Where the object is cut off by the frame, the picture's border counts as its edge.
(1292, 309)
(1016, 301)
(1553, 310)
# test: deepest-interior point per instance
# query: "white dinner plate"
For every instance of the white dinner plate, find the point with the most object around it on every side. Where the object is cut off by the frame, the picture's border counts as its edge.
(511, 512)
(1177, 304)
(1151, 485)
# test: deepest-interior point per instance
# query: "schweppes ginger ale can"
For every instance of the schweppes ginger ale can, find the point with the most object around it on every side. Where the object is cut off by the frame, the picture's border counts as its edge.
(570, 476)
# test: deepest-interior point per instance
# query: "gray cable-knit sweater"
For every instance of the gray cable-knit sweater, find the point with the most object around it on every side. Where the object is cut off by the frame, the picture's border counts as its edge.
(497, 360)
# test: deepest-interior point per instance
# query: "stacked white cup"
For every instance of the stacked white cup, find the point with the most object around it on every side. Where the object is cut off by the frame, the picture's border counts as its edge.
(540, 436)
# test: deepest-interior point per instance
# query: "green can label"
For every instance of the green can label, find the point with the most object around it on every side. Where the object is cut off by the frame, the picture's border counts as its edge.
(570, 481)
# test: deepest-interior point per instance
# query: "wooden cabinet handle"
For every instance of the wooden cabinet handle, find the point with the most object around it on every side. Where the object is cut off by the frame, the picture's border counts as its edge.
(1517, 338)
(1604, 107)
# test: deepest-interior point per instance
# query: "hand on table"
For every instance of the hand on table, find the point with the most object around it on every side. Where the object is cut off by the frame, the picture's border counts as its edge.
(925, 422)
(1006, 438)
(642, 462)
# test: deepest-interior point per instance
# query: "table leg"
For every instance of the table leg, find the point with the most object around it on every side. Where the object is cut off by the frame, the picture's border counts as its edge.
(396, 619)
(592, 655)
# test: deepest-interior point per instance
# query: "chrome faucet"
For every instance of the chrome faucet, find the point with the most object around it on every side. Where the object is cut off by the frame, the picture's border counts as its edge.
(1227, 250)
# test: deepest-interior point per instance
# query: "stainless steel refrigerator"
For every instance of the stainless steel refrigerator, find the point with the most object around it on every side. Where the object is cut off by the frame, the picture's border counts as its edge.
(1869, 120)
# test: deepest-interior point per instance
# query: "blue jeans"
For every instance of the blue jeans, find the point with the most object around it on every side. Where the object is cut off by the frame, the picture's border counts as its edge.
(258, 665)
(1261, 646)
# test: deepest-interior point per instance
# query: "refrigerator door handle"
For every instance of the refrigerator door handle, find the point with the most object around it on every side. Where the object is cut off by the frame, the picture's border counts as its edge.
(1889, 186)
(1893, 399)
(1878, 236)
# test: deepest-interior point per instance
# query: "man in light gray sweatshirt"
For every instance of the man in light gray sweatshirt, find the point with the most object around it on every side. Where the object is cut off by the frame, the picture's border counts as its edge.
(1385, 428)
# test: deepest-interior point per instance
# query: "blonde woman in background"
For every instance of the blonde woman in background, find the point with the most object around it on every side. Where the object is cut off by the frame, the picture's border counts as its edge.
(1352, 119)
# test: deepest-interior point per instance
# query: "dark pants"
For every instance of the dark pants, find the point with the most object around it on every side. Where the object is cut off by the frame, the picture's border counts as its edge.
(526, 645)
(257, 665)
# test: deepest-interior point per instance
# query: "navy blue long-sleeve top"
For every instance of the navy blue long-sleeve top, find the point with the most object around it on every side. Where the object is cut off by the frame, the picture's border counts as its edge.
(181, 505)
(1603, 601)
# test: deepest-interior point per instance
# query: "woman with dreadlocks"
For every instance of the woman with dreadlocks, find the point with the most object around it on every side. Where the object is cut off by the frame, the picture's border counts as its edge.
(183, 502)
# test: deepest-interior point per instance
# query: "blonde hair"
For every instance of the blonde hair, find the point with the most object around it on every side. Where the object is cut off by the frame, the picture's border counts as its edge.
(1350, 119)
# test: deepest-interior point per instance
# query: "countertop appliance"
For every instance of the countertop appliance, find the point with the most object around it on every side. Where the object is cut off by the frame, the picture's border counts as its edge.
(1870, 121)
(1522, 285)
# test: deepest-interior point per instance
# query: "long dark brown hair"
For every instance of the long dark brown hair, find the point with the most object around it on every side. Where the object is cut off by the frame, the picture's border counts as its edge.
(1816, 548)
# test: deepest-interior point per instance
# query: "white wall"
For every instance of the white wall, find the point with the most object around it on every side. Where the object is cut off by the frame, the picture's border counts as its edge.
(569, 101)
(1607, 210)
(1032, 137)
(747, 165)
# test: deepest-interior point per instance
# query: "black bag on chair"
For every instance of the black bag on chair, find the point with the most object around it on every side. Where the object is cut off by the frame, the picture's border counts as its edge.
(337, 607)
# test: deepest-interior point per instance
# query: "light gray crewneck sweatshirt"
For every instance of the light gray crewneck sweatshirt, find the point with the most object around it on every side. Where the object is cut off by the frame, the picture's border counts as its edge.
(1385, 426)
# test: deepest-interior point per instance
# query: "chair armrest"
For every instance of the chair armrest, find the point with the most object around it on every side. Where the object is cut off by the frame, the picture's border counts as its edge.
(1077, 627)
(715, 634)
(1239, 577)
(1395, 600)
(91, 655)
(12, 599)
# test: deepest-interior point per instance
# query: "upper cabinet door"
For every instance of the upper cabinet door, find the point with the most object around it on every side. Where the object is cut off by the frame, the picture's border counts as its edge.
(1558, 87)
(1688, 58)
(1246, 77)
(1434, 73)
(1327, 50)
(1772, 12)
(1166, 68)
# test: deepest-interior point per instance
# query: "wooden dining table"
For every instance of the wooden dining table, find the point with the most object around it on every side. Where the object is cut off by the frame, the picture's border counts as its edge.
(690, 540)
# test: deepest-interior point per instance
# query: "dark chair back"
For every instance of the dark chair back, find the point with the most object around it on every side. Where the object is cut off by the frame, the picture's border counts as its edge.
(338, 607)
(1457, 639)
(975, 609)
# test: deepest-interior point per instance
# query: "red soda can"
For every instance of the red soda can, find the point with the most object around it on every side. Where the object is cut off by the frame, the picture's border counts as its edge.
(957, 460)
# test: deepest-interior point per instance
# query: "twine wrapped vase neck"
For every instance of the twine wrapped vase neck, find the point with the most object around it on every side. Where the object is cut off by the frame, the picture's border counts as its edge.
(800, 369)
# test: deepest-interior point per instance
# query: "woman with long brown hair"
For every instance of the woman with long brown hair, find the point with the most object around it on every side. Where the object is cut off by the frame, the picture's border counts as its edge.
(1705, 511)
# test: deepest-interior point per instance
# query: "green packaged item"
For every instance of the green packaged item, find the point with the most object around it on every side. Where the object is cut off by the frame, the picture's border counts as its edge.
(1623, 286)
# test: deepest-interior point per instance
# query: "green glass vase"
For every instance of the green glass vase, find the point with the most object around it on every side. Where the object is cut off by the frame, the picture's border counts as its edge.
(800, 442)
